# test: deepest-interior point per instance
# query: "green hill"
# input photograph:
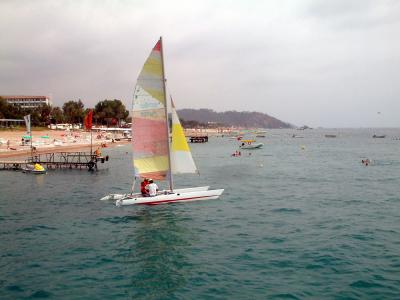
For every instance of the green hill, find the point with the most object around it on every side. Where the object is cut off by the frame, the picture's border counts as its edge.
(232, 118)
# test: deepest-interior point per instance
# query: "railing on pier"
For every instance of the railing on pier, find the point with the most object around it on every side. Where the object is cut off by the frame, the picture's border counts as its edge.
(59, 160)
(77, 160)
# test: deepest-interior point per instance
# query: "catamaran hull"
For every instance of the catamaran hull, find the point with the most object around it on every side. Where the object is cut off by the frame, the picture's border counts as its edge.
(171, 198)
(114, 197)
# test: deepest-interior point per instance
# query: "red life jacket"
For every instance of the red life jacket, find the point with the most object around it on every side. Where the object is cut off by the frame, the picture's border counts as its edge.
(143, 187)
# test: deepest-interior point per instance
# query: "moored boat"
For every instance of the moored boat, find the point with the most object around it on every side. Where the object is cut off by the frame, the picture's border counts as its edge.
(34, 169)
(250, 144)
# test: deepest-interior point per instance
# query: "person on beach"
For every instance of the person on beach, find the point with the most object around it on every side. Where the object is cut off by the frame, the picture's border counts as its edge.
(152, 188)
(8, 144)
(143, 186)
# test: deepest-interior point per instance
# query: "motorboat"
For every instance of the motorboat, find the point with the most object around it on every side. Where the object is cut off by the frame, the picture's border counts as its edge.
(34, 169)
(250, 144)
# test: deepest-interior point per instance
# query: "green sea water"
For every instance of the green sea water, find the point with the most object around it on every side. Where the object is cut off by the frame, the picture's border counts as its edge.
(301, 218)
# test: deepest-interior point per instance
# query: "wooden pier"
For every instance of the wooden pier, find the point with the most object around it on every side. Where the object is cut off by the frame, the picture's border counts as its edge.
(59, 160)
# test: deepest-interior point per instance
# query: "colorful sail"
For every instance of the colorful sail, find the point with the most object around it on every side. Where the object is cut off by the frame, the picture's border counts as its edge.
(149, 126)
(181, 157)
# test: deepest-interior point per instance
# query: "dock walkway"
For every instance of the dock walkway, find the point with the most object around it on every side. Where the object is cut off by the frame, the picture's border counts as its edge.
(59, 160)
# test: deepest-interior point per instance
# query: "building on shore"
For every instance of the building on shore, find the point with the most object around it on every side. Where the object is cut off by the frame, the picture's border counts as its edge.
(27, 101)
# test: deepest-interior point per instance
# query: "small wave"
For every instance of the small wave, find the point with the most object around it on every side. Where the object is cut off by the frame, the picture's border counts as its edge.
(41, 294)
(275, 240)
(287, 210)
(117, 220)
(313, 266)
(283, 296)
(36, 227)
(365, 284)
(14, 288)
(393, 199)
(361, 237)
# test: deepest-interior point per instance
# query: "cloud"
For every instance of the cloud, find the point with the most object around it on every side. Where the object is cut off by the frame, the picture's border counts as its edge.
(321, 63)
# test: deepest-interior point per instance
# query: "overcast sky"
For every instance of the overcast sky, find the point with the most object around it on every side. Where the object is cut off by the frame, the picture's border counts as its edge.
(321, 63)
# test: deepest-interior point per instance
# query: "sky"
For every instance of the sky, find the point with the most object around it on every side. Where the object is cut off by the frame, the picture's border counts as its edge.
(323, 63)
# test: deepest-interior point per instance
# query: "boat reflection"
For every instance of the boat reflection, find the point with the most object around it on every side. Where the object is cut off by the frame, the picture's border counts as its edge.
(158, 253)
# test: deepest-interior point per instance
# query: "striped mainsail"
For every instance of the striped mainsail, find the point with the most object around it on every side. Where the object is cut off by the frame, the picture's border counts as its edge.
(149, 126)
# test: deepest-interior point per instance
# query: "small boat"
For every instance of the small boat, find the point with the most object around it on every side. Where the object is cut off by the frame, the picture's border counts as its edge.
(330, 135)
(261, 133)
(250, 144)
(34, 169)
(379, 136)
(165, 151)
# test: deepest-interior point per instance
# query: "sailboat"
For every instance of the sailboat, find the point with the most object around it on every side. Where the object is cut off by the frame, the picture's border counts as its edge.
(159, 150)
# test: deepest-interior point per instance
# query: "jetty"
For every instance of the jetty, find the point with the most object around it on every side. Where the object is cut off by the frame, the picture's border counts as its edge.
(58, 160)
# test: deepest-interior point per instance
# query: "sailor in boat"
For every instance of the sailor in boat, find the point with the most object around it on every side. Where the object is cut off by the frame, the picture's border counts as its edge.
(152, 188)
(143, 186)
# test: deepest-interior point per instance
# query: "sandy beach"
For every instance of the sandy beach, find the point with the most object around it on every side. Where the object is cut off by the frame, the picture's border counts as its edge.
(45, 141)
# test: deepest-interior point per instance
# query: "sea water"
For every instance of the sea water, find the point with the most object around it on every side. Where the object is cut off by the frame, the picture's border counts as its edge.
(300, 218)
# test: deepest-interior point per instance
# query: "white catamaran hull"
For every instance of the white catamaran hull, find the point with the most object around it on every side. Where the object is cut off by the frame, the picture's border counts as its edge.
(252, 146)
(113, 197)
(170, 197)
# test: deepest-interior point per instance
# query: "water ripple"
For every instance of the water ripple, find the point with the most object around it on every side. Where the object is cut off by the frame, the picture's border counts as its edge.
(309, 224)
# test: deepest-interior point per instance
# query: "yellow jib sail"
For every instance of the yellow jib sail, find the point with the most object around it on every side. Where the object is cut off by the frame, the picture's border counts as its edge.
(181, 157)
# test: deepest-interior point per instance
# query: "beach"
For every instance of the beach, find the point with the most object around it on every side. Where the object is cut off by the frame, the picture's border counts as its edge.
(60, 141)
(45, 141)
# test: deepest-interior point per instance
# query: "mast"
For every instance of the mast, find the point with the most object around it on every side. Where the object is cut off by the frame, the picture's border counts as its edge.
(133, 153)
(30, 133)
(91, 143)
(166, 117)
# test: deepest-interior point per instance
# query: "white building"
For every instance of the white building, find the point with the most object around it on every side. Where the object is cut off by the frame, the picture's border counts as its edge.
(27, 101)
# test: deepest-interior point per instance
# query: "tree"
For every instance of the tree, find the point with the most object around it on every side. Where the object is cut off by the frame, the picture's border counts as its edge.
(43, 112)
(73, 111)
(3, 108)
(9, 111)
(110, 111)
(56, 115)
